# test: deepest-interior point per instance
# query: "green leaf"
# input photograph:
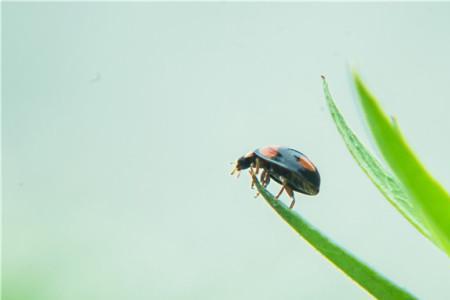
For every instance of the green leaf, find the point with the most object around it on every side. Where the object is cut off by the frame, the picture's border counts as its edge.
(380, 176)
(425, 194)
(395, 190)
(373, 282)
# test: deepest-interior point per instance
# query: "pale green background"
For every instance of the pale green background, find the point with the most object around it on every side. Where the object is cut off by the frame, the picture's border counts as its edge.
(120, 121)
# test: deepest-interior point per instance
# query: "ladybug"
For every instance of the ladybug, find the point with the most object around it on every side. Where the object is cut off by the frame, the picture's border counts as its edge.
(289, 167)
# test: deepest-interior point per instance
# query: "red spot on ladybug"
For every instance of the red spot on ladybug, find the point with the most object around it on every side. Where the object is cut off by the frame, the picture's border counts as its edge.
(305, 163)
(269, 151)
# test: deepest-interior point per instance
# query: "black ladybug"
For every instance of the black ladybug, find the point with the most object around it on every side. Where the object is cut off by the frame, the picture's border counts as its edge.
(289, 167)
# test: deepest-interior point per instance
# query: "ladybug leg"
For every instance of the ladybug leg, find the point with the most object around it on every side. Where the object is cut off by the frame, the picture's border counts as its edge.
(263, 177)
(257, 165)
(267, 180)
(288, 190)
(253, 179)
(252, 173)
(291, 194)
(280, 192)
(253, 183)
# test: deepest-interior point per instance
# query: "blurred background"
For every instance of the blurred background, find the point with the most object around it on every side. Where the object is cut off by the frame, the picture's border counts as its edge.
(120, 122)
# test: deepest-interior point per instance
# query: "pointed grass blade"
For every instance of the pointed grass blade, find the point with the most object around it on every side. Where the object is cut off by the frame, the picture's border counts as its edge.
(388, 184)
(428, 198)
(367, 278)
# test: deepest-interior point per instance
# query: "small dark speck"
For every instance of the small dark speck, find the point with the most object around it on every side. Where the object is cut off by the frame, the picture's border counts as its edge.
(96, 78)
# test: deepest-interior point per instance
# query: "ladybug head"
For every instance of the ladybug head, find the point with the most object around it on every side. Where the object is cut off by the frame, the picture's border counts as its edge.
(243, 163)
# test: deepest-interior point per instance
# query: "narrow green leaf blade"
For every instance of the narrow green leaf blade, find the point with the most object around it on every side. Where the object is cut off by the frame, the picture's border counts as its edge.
(388, 184)
(373, 282)
(425, 194)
